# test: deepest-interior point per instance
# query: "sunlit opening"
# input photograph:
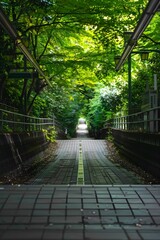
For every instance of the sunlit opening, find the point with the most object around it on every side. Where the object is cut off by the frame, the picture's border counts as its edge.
(82, 127)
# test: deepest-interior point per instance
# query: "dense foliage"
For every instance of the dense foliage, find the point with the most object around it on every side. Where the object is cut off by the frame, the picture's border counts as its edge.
(75, 43)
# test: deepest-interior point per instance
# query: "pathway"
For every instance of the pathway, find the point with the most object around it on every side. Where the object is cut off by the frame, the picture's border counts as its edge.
(50, 212)
(83, 161)
(79, 209)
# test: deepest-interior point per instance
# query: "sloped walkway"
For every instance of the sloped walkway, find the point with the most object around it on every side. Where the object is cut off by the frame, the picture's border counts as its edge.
(80, 195)
(97, 168)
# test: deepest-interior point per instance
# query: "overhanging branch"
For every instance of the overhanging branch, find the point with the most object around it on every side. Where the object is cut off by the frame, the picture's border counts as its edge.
(9, 28)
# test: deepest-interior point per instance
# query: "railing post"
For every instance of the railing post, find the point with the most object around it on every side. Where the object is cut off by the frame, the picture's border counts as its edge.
(13, 121)
(153, 122)
(29, 124)
(53, 121)
(128, 124)
(1, 122)
(129, 84)
(125, 125)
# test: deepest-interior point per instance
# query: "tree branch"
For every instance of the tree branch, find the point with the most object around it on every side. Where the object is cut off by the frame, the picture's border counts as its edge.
(145, 36)
(31, 104)
(45, 47)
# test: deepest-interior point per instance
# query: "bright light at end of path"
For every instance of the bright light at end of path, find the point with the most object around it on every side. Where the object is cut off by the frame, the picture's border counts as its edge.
(82, 126)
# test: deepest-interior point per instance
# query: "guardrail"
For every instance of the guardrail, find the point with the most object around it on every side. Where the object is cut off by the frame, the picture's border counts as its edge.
(16, 122)
(146, 121)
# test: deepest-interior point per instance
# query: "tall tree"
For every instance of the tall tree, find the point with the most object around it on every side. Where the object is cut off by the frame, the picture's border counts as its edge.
(74, 42)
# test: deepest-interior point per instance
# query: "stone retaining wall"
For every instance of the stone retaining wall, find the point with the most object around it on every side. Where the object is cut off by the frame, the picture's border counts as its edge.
(142, 148)
(17, 148)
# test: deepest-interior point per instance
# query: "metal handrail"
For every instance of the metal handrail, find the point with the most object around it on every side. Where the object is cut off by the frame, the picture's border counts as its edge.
(13, 121)
(146, 121)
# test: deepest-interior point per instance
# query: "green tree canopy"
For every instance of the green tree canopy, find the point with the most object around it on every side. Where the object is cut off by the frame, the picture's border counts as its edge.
(75, 43)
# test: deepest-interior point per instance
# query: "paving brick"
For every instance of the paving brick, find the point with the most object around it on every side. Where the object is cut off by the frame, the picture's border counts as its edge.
(105, 200)
(8, 212)
(121, 206)
(73, 205)
(73, 235)
(41, 206)
(57, 219)
(39, 220)
(108, 212)
(156, 220)
(22, 234)
(151, 206)
(57, 212)
(135, 201)
(109, 220)
(90, 206)
(129, 220)
(41, 212)
(72, 200)
(74, 219)
(123, 212)
(21, 220)
(52, 235)
(152, 235)
(75, 212)
(106, 235)
(105, 206)
(139, 212)
(6, 219)
(58, 206)
(132, 234)
(58, 200)
(137, 206)
(154, 212)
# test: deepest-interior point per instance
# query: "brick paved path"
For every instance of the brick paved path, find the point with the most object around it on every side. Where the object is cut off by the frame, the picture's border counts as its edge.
(97, 168)
(48, 212)
(101, 208)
